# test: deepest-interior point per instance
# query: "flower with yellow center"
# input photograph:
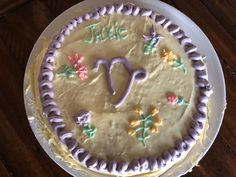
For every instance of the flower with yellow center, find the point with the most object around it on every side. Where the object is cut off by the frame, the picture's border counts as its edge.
(168, 56)
(131, 132)
(158, 122)
(147, 124)
(138, 110)
(134, 123)
(155, 111)
(154, 129)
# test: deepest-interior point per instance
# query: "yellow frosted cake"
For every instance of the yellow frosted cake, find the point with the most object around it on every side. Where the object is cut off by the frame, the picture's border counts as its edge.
(124, 91)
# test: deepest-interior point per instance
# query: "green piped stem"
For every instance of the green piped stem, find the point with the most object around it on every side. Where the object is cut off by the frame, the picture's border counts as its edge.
(89, 130)
(146, 122)
(182, 101)
(67, 72)
(178, 64)
(150, 46)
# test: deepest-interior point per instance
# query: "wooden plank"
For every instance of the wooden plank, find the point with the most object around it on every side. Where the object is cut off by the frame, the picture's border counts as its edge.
(17, 142)
(219, 161)
(221, 39)
(57, 6)
(225, 46)
(169, 2)
(15, 45)
(10, 5)
(14, 50)
(22, 31)
(231, 2)
(224, 12)
(4, 171)
(221, 155)
(17, 151)
(228, 129)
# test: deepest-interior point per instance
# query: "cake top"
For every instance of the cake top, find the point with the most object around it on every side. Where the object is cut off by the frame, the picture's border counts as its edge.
(120, 60)
(121, 86)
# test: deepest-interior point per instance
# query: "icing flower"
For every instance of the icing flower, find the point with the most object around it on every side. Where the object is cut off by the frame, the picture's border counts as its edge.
(178, 64)
(151, 41)
(89, 131)
(138, 110)
(76, 68)
(143, 127)
(158, 122)
(131, 132)
(168, 56)
(154, 129)
(67, 72)
(75, 59)
(134, 123)
(172, 99)
(154, 112)
(84, 117)
(176, 100)
(171, 58)
(81, 70)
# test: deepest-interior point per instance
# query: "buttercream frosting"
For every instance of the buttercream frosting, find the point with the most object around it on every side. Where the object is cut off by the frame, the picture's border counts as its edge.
(112, 150)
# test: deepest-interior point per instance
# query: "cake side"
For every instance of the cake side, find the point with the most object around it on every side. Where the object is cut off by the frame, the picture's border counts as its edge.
(147, 161)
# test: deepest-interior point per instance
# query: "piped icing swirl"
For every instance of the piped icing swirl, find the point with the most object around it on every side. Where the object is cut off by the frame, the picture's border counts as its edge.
(136, 166)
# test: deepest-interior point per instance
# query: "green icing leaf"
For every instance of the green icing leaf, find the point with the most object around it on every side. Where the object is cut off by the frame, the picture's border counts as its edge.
(143, 129)
(148, 122)
(181, 101)
(147, 137)
(150, 47)
(89, 131)
(140, 138)
(178, 64)
(138, 129)
(68, 72)
(149, 117)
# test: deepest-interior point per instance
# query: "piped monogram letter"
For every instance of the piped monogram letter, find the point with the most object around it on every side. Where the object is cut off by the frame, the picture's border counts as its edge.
(135, 74)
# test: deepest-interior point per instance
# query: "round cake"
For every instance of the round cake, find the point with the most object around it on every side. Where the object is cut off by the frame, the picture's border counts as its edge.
(123, 91)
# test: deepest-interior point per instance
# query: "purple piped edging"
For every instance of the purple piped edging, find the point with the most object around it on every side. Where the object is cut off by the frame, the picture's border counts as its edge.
(53, 113)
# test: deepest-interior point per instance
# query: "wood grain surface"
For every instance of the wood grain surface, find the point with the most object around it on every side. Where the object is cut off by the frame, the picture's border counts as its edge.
(21, 23)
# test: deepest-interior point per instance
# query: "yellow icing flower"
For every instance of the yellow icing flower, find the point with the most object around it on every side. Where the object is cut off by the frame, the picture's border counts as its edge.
(147, 124)
(154, 129)
(134, 123)
(155, 111)
(131, 132)
(158, 122)
(138, 110)
(168, 56)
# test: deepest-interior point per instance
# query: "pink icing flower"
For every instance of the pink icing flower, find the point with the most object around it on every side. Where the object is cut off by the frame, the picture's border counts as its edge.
(75, 59)
(82, 72)
(76, 62)
(172, 99)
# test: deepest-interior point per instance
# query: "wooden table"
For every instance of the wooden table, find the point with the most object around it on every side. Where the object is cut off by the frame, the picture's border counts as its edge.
(21, 23)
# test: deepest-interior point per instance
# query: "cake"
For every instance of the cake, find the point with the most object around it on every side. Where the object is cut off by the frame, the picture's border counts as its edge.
(123, 91)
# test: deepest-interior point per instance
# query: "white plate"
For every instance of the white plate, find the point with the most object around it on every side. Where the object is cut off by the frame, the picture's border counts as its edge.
(216, 78)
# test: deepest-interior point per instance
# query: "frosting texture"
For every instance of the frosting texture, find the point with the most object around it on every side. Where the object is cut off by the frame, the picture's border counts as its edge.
(55, 118)
(137, 74)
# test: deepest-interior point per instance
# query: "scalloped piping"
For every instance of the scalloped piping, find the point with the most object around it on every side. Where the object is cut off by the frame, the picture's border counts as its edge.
(143, 165)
